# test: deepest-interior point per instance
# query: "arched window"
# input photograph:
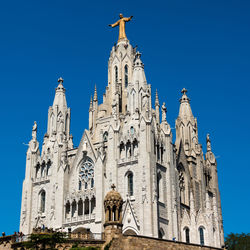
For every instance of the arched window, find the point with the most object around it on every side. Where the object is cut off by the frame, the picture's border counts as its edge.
(80, 207)
(105, 136)
(114, 213)
(201, 232)
(159, 187)
(161, 233)
(130, 185)
(187, 235)
(86, 206)
(43, 198)
(92, 182)
(109, 213)
(80, 185)
(116, 74)
(73, 209)
(37, 170)
(92, 204)
(48, 168)
(126, 75)
(42, 169)
(67, 210)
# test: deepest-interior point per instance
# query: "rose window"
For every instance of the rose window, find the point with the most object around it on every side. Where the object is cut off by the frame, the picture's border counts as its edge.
(87, 170)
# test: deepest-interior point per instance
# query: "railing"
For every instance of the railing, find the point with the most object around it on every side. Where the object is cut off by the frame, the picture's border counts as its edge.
(80, 236)
(84, 217)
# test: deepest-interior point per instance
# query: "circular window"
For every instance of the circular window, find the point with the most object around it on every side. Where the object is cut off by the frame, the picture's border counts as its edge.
(87, 170)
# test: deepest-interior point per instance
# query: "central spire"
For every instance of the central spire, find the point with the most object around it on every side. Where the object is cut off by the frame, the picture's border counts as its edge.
(121, 23)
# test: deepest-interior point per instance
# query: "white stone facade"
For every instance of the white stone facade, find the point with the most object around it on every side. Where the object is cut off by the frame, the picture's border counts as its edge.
(170, 190)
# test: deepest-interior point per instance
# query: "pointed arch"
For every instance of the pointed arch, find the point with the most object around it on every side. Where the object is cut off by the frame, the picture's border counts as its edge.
(126, 75)
(42, 195)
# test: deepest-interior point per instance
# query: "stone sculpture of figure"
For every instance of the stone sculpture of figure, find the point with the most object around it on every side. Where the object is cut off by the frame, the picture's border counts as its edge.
(34, 130)
(121, 23)
(208, 143)
(164, 111)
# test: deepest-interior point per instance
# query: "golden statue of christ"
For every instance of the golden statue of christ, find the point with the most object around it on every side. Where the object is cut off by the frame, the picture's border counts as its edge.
(121, 23)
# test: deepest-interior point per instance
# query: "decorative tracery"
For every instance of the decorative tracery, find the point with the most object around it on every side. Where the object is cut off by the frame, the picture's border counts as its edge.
(86, 172)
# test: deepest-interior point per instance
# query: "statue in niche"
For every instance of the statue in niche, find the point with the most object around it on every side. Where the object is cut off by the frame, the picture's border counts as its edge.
(122, 149)
(145, 102)
(33, 144)
(114, 109)
(34, 130)
(164, 112)
(208, 143)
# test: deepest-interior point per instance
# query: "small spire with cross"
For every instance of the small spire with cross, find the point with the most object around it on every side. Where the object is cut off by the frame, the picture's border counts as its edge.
(184, 91)
(113, 186)
(60, 80)
(184, 97)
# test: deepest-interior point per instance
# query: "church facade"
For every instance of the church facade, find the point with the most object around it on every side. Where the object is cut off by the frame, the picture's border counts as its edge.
(170, 190)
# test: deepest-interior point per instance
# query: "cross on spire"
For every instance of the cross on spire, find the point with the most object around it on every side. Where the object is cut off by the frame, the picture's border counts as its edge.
(184, 91)
(113, 186)
(60, 80)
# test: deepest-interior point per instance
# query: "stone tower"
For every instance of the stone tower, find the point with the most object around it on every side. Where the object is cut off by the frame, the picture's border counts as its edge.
(168, 190)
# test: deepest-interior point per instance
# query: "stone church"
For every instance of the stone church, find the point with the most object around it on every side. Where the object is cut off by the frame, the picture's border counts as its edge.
(169, 189)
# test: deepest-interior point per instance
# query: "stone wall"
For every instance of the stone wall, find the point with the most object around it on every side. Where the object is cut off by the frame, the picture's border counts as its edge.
(135, 242)
(5, 242)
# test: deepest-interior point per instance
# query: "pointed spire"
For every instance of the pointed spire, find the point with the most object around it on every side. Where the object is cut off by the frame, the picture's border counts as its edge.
(95, 95)
(138, 71)
(137, 61)
(60, 99)
(185, 109)
(91, 104)
(156, 99)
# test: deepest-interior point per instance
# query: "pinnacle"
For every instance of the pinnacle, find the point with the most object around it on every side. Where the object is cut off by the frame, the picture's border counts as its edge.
(184, 97)
(95, 94)
(156, 98)
(60, 80)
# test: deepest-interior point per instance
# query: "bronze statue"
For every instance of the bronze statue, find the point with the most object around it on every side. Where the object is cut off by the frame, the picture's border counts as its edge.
(121, 23)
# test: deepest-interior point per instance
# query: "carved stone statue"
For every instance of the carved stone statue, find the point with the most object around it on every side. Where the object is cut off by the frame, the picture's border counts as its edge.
(208, 143)
(164, 111)
(121, 23)
(34, 130)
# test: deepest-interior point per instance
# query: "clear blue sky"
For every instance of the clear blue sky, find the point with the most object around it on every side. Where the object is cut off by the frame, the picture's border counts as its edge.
(200, 45)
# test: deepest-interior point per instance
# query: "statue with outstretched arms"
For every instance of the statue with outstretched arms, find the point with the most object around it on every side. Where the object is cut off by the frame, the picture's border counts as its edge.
(121, 23)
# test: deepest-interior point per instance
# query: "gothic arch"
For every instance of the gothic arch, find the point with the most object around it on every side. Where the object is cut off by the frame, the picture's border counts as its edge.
(129, 182)
(129, 231)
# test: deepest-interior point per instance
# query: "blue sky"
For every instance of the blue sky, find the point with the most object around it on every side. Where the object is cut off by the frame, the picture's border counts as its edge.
(200, 45)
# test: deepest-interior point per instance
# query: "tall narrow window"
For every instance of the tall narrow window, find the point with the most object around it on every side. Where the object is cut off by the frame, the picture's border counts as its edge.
(73, 209)
(67, 210)
(187, 235)
(43, 197)
(92, 204)
(159, 187)
(80, 185)
(116, 74)
(126, 75)
(130, 184)
(201, 231)
(80, 207)
(86, 206)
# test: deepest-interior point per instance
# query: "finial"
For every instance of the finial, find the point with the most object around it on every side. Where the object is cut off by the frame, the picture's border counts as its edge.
(91, 104)
(95, 94)
(184, 97)
(113, 186)
(60, 80)
(156, 98)
(137, 55)
(184, 91)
